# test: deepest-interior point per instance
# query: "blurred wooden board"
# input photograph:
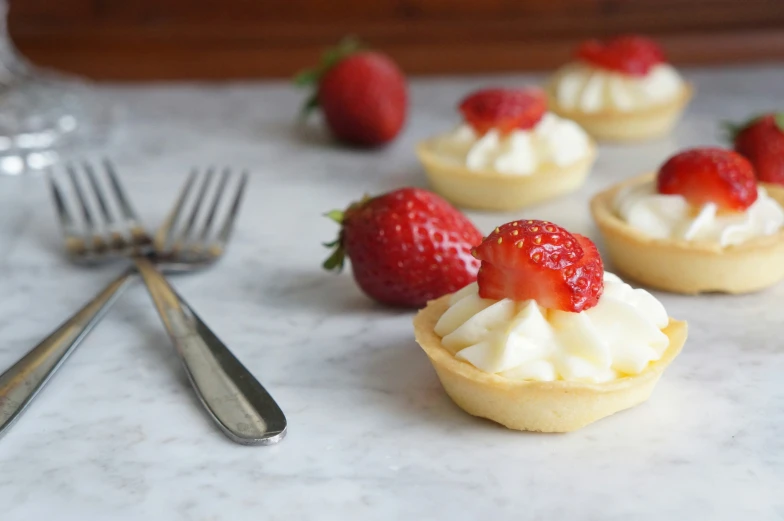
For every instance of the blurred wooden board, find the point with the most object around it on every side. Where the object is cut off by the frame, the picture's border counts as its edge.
(210, 39)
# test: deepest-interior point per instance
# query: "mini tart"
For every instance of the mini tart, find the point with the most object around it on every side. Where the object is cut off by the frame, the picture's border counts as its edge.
(491, 190)
(614, 125)
(559, 406)
(688, 267)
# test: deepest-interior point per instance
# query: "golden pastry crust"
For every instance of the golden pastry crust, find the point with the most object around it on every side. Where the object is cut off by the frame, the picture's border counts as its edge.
(612, 124)
(490, 190)
(688, 267)
(558, 406)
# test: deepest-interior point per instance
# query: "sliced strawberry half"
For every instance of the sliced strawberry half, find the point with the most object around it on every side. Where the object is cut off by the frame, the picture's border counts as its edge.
(539, 260)
(629, 54)
(586, 278)
(710, 175)
(504, 109)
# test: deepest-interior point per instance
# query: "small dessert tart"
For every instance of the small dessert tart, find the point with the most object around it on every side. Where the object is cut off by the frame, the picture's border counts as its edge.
(702, 224)
(620, 90)
(509, 153)
(545, 340)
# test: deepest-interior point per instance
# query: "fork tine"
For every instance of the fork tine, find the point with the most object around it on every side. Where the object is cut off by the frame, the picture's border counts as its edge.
(75, 243)
(65, 217)
(165, 236)
(93, 239)
(139, 238)
(117, 240)
(88, 218)
(119, 193)
(197, 205)
(205, 232)
(97, 192)
(228, 224)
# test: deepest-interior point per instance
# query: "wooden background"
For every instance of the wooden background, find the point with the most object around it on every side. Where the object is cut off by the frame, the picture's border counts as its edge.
(214, 39)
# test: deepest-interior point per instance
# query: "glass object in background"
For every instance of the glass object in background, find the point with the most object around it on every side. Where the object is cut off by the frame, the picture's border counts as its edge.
(41, 112)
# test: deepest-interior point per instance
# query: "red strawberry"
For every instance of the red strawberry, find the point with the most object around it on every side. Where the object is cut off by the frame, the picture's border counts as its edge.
(762, 141)
(406, 247)
(539, 260)
(363, 95)
(629, 54)
(710, 175)
(503, 109)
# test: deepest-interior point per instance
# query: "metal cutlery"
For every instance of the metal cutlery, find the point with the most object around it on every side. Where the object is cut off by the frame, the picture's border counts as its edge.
(193, 236)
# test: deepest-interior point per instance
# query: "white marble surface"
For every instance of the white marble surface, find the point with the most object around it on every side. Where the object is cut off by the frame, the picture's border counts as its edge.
(118, 434)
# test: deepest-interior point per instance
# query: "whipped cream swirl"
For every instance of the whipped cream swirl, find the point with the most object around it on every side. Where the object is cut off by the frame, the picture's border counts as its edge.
(671, 217)
(579, 86)
(553, 140)
(619, 336)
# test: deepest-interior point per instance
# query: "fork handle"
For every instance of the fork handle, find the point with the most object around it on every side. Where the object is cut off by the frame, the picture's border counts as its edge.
(238, 403)
(23, 380)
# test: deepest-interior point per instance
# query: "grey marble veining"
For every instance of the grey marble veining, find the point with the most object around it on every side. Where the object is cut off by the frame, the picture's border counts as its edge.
(118, 434)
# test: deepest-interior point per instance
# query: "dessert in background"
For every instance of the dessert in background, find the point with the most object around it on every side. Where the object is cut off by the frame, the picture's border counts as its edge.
(406, 247)
(362, 93)
(761, 141)
(545, 340)
(702, 223)
(508, 153)
(621, 89)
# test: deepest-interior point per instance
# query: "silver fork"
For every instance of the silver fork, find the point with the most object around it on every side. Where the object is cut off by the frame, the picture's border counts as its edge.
(110, 228)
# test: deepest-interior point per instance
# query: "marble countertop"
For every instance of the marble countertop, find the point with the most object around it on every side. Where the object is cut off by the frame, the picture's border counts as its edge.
(119, 435)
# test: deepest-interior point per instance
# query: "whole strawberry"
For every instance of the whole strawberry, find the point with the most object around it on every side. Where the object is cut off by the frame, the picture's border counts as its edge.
(406, 247)
(761, 140)
(362, 94)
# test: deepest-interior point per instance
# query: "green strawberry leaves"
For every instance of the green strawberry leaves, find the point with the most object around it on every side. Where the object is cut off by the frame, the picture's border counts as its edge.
(306, 78)
(779, 119)
(731, 130)
(335, 215)
(311, 77)
(347, 46)
(311, 103)
(337, 259)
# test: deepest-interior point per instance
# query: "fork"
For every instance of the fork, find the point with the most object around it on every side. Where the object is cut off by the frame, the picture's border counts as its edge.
(236, 401)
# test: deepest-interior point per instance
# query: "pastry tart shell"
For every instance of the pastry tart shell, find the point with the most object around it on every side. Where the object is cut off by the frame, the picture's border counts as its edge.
(558, 406)
(494, 191)
(683, 266)
(620, 126)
